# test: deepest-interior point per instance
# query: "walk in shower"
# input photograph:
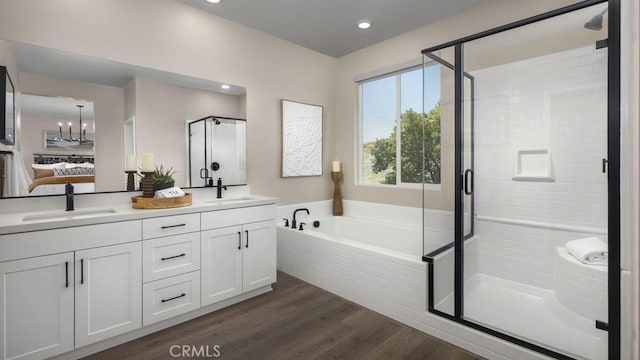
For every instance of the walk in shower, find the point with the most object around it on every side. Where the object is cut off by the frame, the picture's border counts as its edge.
(530, 154)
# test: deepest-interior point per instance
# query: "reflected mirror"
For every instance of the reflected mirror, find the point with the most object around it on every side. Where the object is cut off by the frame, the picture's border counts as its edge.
(133, 110)
(129, 130)
(7, 107)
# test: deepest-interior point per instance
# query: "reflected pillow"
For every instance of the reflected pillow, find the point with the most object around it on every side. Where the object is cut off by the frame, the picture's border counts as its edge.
(82, 165)
(48, 166)
(73, 171)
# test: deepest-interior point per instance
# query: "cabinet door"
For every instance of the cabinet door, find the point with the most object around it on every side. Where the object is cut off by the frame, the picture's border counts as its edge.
(108, 287)
(221, 264)
(36, 300)
(259, 261)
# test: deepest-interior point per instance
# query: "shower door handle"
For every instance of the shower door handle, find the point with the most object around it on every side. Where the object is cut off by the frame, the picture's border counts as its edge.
(204, 173)
(468, 182)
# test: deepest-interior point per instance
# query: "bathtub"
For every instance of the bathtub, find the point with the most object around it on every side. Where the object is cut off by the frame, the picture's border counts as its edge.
(392, 239)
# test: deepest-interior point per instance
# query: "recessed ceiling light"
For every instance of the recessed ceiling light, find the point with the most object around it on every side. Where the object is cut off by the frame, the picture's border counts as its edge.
(213, 1)
(226, 87)
(364, 24)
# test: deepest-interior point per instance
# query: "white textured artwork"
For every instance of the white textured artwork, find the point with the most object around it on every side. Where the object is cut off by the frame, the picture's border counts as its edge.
(301, 139)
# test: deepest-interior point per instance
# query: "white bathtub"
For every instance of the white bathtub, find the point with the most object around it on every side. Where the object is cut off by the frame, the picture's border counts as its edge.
(398, 240)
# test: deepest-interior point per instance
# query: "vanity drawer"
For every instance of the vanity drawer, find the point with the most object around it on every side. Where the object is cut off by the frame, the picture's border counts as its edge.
(47, 242)
(170, 225)
(224, 218)
(169, 256)
(169, 297)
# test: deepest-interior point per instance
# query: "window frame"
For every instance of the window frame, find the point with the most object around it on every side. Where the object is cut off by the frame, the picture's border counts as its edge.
(359, 179)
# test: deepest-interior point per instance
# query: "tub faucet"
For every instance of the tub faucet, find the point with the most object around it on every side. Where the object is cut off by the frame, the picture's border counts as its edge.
(293, 222)
(68, 191)
(220, 187)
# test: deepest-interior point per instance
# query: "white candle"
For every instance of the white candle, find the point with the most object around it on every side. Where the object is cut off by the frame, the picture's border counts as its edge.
(148, 164)
(131, 162)
(336, 166)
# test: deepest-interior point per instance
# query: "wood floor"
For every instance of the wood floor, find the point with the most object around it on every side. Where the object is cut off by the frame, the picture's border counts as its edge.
(295, 321)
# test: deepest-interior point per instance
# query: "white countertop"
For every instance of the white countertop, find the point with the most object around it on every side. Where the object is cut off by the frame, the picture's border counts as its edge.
(15, 223)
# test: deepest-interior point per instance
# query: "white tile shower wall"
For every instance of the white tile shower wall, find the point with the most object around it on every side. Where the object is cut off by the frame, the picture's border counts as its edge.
(556, 102)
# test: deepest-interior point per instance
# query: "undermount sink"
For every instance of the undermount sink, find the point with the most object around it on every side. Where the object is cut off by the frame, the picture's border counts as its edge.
(69, 215)
(229, 200)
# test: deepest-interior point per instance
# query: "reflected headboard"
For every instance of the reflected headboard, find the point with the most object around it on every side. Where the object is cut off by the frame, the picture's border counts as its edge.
(58, 158)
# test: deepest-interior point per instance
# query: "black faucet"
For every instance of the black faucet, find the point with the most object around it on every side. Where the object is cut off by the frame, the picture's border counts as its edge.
(293, 222)
(220, 187)
(68, 191)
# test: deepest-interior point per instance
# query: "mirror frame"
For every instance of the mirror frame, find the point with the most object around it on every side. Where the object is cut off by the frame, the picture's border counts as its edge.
(7, 138)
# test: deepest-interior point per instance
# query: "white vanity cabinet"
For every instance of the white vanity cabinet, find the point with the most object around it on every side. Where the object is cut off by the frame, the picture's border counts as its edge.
(53, 303)
(238, 252)
(36, 299)
(69, 291)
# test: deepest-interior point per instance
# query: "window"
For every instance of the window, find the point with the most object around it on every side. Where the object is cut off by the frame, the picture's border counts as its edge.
(400, 142)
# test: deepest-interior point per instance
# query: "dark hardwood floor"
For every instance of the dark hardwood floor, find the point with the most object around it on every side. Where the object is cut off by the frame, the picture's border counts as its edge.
(295, 321)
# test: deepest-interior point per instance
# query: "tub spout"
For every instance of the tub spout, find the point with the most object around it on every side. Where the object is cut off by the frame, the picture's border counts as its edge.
(293, 222)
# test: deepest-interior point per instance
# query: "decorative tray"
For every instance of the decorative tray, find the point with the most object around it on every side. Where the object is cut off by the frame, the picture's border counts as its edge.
(139, 202)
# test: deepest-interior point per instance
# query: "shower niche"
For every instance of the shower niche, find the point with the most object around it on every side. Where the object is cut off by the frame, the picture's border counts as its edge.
(529, 136)
(217, 150)
(533, 165)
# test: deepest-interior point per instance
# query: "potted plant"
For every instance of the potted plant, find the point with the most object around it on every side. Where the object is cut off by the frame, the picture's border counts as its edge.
(162, 179)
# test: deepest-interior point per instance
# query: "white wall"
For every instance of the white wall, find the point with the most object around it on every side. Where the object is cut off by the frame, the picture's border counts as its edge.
(174, 37)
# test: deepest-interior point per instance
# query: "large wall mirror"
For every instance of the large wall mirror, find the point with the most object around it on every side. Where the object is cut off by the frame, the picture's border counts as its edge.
(126, 110)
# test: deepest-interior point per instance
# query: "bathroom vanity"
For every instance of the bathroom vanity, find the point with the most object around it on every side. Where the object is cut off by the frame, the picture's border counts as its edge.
(76, 283)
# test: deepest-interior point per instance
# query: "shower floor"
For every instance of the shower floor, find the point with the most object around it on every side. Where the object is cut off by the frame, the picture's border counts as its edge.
(529, 313)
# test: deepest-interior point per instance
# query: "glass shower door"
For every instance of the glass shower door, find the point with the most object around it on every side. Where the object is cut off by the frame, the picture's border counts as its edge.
(528, 157)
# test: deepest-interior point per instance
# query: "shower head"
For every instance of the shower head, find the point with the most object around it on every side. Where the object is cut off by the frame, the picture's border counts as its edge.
(217, 122)
(596, 22)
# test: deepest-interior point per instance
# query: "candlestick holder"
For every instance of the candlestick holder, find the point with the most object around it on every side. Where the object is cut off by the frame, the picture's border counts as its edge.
(147, 185)
(130, 180)
(337, 195)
